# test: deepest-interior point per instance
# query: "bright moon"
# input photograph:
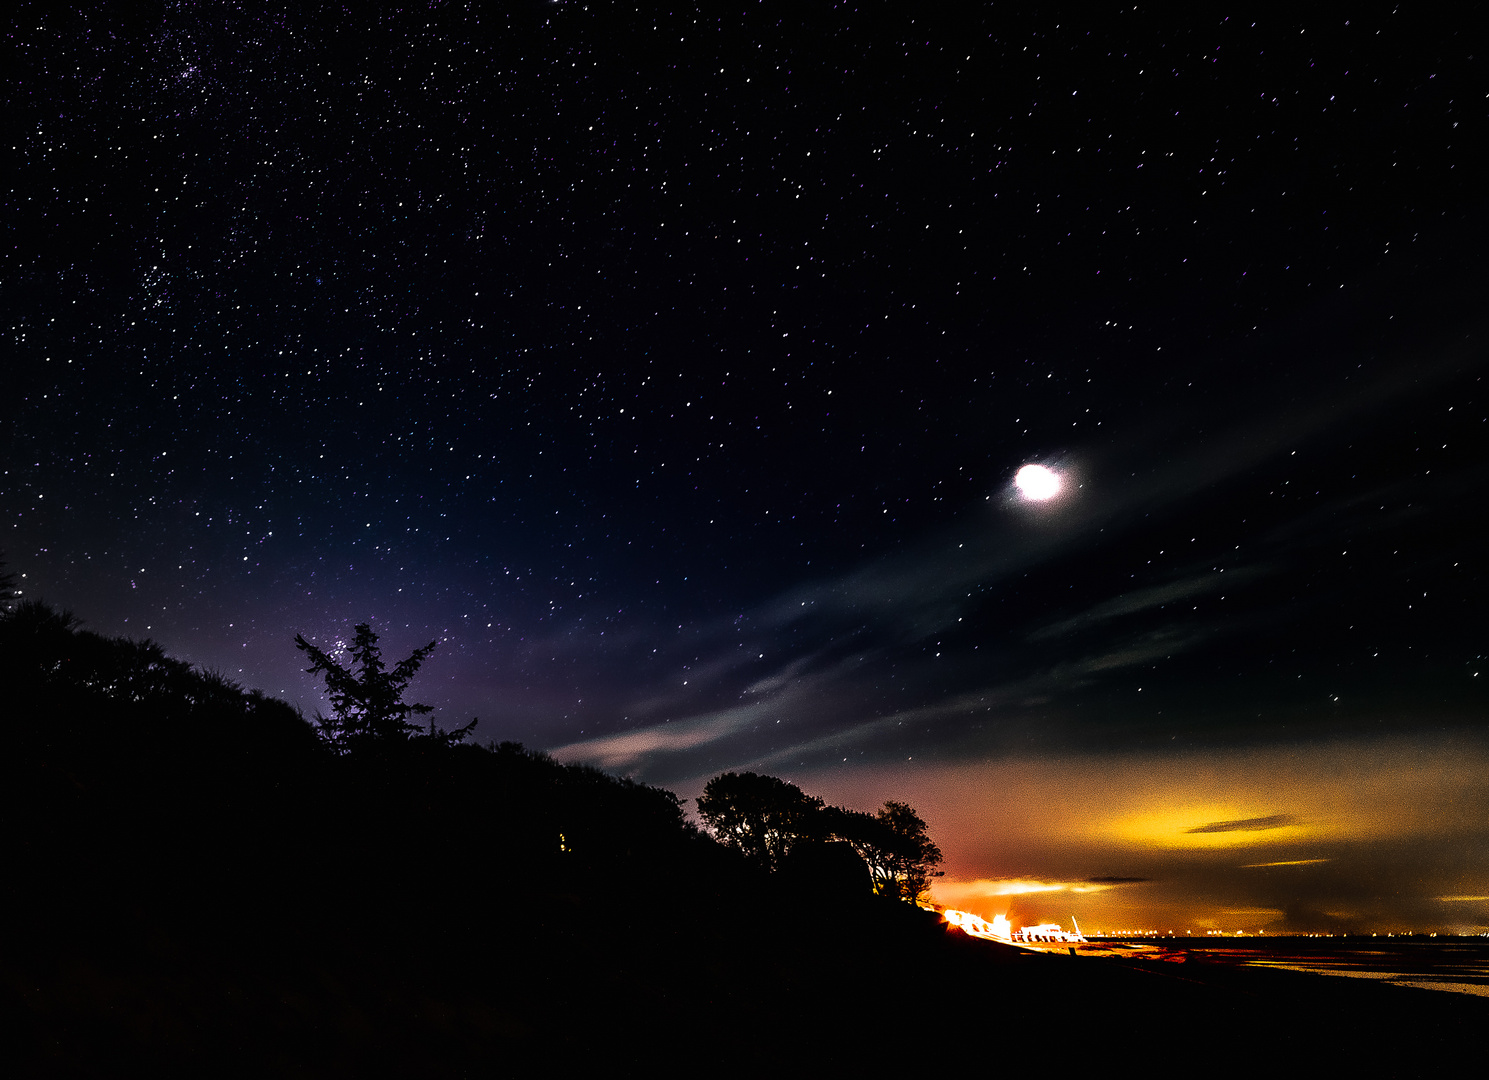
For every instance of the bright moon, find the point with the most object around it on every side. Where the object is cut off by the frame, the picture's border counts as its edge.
(1036, 483)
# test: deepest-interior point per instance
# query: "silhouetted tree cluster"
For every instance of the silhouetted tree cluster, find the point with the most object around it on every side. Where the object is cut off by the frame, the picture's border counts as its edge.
(895, 845)
(766, 819)
(74, 687)
(125, 773)
(762, 817)
(119, 763)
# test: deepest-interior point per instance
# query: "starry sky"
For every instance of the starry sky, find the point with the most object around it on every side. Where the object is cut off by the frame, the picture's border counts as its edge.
(672, 366)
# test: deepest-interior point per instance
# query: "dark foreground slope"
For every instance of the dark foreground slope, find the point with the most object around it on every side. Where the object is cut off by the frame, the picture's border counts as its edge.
(194, 886)
(589, 984)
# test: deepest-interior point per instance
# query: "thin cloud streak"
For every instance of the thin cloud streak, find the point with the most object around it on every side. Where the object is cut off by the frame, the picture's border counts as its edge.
(890, 606)
(649, 747)
(1283, 862)
(927, 590)
(1147, 599)
(1256, 824)
(632, 750)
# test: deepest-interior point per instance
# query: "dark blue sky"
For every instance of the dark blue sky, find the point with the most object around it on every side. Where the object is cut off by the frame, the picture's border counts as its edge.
(672, 368)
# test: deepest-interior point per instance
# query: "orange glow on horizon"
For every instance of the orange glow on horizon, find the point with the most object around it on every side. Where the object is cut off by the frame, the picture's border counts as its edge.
(1209, 841)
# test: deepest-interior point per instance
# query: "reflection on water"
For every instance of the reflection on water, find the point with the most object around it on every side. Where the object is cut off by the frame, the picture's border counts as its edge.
(1456, 965)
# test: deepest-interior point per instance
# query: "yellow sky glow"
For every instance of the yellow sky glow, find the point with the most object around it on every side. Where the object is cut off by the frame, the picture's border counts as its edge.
(1283, 862)
(1056, 836)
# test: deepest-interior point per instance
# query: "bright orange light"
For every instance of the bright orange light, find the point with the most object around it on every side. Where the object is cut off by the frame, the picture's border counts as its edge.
(977, 926)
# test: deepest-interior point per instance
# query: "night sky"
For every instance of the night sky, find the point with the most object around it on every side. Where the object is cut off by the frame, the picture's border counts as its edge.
(672, 368)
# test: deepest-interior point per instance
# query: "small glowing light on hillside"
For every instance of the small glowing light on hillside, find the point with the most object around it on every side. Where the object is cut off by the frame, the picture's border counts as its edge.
(1037, 483)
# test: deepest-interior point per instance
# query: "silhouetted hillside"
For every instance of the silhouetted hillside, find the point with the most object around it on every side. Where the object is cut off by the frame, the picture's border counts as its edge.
(199, 885)
(124, 765)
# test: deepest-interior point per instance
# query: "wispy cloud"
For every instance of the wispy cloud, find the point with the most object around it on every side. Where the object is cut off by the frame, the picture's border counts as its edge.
(984, 890)
(998, 887)
(924, 591)
(630, 750)
(789, 674)
(798, 691)
(788, 694)
(1254, 824)
(891, 612)
(1283, 862)
(1146, 599)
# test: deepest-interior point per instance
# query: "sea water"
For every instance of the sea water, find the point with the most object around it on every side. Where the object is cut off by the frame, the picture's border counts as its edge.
(1457, 965)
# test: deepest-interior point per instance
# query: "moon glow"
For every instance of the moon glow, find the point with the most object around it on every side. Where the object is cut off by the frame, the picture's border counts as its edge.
(1037, 483)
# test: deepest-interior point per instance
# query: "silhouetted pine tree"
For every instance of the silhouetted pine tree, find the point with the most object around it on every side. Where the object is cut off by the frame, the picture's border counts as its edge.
(367, 700)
